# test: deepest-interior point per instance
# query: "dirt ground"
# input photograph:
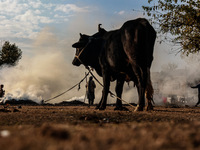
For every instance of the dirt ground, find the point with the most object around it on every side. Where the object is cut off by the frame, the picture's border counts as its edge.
(83, 128)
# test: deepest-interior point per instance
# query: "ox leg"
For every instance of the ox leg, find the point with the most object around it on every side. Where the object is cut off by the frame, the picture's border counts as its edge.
(119, 90)
(141, 75)
(141, 102)
(149, 93)
(98, 106)
(149, 101)
(106, 83)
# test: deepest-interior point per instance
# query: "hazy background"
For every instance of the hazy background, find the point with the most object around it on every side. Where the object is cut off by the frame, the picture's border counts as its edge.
(45, 32)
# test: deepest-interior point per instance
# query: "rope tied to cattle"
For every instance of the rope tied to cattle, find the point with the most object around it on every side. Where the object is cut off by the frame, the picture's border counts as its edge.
(87, 67)
(77, 56)
(78, 84)
(89, 71)
(111, 93)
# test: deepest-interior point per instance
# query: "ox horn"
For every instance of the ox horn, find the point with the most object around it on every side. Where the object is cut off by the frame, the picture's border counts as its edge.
(99, 27)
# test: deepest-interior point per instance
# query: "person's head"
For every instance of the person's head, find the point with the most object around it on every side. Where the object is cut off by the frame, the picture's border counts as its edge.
(90, 78)
(2, 85)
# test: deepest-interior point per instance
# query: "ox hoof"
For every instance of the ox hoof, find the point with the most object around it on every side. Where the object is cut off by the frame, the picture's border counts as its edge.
(121, 108)
(138, 108)
(149, 108)
(102, 108)
(97, 107)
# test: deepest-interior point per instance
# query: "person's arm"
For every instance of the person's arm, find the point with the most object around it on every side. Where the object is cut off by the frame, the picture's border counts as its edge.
(194, 86)
(197, 86)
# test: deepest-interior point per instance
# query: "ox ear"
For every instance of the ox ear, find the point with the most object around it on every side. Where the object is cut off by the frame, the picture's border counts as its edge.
(77, 45)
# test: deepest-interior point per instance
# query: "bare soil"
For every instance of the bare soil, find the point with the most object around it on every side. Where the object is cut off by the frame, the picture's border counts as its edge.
(83, 128)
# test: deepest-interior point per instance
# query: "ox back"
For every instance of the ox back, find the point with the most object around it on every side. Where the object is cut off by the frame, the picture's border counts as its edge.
(125, 54)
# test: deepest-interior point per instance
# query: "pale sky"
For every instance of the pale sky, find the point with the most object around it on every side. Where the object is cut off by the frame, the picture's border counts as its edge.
(23, 20)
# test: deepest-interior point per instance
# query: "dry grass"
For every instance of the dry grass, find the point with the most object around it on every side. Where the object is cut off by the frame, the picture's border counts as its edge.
(83, 128)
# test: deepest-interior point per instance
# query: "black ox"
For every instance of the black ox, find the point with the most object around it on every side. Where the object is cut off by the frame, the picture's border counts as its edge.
(125, 54)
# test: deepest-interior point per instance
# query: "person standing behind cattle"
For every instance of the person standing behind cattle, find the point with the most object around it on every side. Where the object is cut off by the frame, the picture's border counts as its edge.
(90, 91)
(2, 92)
(197, 86)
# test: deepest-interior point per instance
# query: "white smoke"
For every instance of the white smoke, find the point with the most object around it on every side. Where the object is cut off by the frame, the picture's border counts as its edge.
(46, 70)
(44, 74)
(81, 98)
(193, 61)
(178, 81)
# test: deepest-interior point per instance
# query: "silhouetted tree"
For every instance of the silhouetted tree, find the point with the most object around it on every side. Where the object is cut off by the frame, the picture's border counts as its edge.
(180, 18)
(10, 54)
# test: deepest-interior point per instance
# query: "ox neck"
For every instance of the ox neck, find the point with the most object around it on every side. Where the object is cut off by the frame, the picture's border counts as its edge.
(77, 56)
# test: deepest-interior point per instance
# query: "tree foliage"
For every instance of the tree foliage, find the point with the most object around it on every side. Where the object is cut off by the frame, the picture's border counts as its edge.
(10, 54)
(180, 18)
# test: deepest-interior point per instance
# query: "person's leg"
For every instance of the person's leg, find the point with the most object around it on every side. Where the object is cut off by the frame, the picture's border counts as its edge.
(92, 101)
(198, 100)
(91, 98)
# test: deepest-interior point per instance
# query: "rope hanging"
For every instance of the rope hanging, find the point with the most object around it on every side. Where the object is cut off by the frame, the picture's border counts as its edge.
(111, 94)
(77, 56)
(78, 84)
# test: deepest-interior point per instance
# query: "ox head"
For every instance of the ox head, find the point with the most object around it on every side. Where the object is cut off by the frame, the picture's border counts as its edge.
(80, 55)
(87, 47)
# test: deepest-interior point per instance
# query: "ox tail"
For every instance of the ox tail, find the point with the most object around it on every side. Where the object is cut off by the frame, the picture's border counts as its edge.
(149, 89)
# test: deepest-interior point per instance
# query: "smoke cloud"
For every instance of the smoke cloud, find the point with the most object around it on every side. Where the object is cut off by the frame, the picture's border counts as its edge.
(46, 70)
(177, 79)
(46, 73)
